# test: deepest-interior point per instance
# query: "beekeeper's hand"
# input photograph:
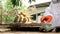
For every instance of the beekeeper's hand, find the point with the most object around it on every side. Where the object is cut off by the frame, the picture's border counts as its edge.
(46, 18)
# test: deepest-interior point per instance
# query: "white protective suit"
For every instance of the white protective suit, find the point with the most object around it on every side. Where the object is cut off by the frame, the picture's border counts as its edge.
(54, 11)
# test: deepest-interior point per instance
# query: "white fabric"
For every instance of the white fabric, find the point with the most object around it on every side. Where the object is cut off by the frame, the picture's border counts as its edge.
(54, 11)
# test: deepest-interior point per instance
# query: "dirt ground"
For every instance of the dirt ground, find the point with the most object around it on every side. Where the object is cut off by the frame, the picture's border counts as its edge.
(7, 31)
(26, 33)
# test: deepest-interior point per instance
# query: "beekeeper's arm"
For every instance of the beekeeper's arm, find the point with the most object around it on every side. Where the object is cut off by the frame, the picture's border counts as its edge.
(47, 16)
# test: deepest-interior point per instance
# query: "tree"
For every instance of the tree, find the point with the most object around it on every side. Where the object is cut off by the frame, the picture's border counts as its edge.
(31, 1)
(8, 5)
(12, 4)
(17, 2)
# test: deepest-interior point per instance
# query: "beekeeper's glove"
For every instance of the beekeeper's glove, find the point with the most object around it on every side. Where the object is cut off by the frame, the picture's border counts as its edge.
(46, 18)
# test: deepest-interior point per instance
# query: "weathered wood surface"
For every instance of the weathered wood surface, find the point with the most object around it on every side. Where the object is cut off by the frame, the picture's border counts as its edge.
(23, 25)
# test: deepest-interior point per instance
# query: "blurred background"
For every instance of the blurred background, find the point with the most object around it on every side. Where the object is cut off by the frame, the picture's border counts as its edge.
(10, 8)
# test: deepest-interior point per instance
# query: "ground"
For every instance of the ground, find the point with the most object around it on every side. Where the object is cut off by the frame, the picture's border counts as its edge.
(26, 33)
(7, 31)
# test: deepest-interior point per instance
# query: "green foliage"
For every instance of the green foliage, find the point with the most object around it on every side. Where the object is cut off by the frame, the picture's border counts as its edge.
(8, 5)
(30, 1)
(7, 18)
(16, 2)
(11, 4)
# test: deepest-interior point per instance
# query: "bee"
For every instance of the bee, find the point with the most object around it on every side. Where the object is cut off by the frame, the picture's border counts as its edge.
(21, 18)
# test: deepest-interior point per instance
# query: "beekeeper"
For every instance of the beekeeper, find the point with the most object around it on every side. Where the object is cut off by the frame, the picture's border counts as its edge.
(52, 14)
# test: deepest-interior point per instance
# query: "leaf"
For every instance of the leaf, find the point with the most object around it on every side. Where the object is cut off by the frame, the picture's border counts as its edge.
(13, 2)
(34, 0)
(16, 2)
(30, 1)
